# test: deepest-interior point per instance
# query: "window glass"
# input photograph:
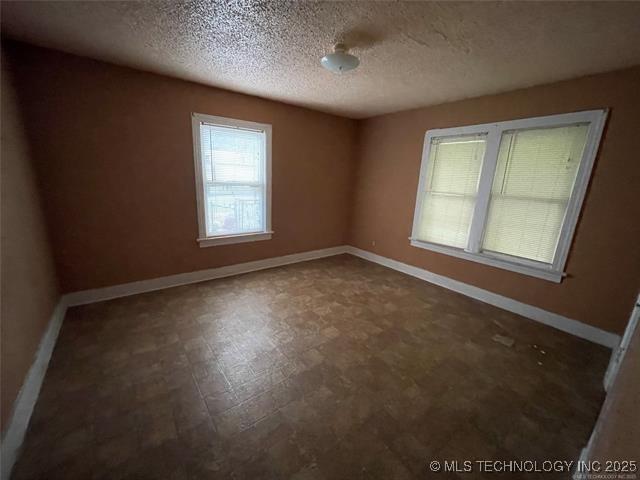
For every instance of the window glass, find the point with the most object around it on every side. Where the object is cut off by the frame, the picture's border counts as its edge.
(233, 170)
(451, 185)
(534, 178)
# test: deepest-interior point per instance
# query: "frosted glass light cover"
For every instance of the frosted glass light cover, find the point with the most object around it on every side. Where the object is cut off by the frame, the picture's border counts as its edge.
(339, 62)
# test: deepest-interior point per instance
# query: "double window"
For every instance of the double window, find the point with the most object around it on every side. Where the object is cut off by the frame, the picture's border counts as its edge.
(507, 194)
(233, 179)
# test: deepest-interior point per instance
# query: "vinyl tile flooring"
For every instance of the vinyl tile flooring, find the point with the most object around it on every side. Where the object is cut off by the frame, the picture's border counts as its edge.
(329, 369)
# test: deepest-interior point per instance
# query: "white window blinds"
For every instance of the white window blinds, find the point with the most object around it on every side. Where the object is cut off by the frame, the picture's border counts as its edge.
(534, 177)
(233, 170)
(507, 194)
(450, 189)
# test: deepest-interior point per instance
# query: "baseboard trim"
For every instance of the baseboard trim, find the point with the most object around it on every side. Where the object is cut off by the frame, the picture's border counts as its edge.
(25, 403)
(123, 290)
(28, 395)
(551, 319)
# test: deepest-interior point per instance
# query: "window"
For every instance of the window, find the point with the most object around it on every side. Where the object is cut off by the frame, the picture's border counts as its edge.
(507, 194)
(233, 180)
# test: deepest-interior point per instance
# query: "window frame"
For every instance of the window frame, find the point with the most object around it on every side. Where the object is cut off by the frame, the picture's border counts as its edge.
(207, 241)
(553, 272)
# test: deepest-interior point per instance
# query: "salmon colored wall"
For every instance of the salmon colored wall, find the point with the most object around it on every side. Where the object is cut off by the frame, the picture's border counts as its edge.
(114, 156)
(29, 288)
(604, 262)
(617, 432)
(114, 153)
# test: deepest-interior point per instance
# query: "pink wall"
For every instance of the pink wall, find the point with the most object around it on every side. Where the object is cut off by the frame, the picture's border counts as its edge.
(604, 261)
(114, 153)
(29, 284)
(617, 432)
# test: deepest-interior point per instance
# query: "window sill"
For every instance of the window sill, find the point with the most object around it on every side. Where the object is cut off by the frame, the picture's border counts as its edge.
(538, 272)
(231, 239)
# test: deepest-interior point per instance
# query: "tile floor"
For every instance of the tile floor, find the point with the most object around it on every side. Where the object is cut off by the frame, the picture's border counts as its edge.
(335, 368)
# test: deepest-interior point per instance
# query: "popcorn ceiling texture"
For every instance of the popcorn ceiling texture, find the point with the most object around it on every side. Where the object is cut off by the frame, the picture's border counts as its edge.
(412, 54)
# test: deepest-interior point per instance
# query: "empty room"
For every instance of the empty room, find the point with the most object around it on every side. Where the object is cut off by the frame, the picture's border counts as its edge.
(318, 240)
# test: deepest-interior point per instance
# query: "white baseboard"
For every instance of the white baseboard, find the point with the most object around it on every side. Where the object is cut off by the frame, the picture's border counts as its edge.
(123, 290)
(565, 324)
(28, 395)
(24, 404)
(555, 320)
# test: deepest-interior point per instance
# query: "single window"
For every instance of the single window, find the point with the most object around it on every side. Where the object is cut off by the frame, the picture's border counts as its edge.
(233, 179)
(507, 194)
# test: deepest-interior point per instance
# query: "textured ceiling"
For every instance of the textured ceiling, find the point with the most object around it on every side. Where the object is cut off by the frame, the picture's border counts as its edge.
(412, 54)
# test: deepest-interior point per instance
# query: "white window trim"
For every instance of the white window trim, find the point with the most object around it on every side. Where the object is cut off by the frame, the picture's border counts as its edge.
(555, 271)
(209, 241)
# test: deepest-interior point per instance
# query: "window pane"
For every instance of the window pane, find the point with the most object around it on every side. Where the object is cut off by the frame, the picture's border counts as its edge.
(232, 209)
(231, 154)
(451, 186)
(233, 167)
(534, 178)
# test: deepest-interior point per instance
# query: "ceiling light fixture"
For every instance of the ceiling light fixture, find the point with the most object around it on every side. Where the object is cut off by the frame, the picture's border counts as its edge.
(339, 61)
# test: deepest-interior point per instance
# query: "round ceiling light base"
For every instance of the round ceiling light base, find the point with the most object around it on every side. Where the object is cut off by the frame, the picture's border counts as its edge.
(339, 61)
